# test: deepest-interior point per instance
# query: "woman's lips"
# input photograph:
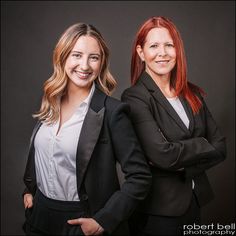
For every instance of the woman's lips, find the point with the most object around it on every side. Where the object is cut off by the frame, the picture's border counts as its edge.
(162, 62)
(83, 75)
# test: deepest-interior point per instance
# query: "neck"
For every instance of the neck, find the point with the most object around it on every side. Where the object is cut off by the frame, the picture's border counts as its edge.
(163, 82)
(75, 95)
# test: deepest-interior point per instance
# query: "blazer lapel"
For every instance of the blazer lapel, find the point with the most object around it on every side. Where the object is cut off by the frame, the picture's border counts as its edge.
(36, 127)
(161, 99)
(89, 134)
(189, 113)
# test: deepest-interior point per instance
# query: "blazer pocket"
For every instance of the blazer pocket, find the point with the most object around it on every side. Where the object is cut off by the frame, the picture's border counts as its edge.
(28, 212)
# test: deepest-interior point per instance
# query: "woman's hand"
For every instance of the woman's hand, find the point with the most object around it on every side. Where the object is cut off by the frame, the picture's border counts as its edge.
(88, 225)
(28, 200)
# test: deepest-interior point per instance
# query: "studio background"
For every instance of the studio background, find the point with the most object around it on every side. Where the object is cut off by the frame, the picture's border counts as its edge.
(29, 32)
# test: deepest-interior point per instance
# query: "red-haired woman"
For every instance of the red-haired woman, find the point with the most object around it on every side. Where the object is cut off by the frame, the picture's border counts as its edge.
(176, 130)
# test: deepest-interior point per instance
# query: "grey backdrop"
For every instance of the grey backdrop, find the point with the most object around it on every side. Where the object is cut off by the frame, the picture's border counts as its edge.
(29, 33)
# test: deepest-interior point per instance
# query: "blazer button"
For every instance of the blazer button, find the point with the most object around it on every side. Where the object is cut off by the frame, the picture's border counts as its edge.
(84, 197)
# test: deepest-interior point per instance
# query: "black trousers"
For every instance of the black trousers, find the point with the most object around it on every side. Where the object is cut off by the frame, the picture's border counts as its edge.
(146, 225)
(49, 216)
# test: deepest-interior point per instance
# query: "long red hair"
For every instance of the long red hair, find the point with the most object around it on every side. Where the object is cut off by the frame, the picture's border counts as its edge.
(179, 73)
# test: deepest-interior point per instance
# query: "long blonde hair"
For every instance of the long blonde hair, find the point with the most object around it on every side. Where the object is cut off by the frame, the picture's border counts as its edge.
(56, 85)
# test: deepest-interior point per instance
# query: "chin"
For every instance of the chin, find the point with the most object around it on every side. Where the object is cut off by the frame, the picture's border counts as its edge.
(85, 84)
(162, 73)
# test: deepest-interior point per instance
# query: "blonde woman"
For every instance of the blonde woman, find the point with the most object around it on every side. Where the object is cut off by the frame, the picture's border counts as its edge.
(72, 187)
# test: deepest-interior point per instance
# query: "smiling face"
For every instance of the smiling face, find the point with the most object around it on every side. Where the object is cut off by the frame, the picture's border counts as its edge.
(83, 63)
(158, 53)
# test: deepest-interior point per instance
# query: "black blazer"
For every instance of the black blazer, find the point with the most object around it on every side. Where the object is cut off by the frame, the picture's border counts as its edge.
(177, 154)
(107, 136)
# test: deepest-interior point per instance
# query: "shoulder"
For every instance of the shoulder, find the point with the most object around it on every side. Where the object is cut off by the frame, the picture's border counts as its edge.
(199, 92)
(112, 104)
(115, 110)
(138, 88)
(136, 91)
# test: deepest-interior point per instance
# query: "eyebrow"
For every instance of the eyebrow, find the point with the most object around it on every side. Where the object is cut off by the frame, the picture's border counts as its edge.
(159, 42)
(97, 54)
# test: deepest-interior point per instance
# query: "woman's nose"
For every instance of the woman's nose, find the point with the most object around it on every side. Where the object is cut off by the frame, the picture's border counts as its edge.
(161, 51)
(84, 65)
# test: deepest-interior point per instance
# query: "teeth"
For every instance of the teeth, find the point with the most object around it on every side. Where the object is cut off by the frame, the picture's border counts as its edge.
(82, 74)
(162, 61)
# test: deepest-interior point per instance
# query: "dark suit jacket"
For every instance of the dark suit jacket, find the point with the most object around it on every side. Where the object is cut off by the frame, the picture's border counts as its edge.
(107, 136)
(177, 154)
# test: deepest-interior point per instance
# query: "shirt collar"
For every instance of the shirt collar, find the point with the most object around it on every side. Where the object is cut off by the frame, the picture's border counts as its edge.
(88, 99)
(86, 102)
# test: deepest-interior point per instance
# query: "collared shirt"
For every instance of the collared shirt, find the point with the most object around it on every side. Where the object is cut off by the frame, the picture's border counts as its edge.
(55, 155)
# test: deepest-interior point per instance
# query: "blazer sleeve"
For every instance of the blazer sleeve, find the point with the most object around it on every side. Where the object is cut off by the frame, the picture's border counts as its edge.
(218, 142)
(134, 166)
(30, 174)
(172, 156)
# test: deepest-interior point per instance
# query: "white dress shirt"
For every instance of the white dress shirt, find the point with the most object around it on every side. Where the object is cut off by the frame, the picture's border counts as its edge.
(55, 155)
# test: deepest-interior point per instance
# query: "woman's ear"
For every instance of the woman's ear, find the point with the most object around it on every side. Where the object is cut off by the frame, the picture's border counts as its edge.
(139, 50)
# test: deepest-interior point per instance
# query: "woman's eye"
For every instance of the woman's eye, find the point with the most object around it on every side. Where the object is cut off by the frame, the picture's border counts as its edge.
(94, 58)
(154, 46)
(76, 55)
(170, 45)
